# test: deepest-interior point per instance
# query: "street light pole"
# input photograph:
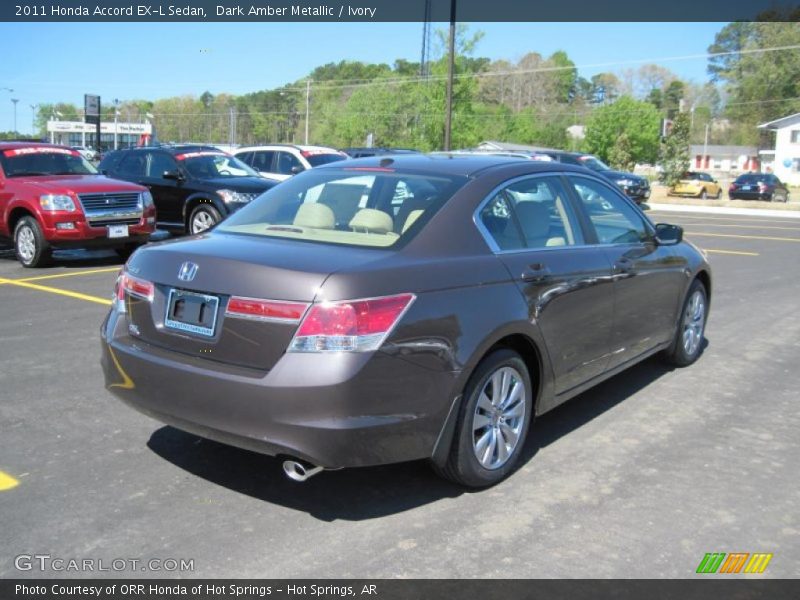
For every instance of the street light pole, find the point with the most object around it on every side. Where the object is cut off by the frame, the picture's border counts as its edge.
(448, 115)
(308, 106)
(33, 117)
(15, 100)
(116, 116)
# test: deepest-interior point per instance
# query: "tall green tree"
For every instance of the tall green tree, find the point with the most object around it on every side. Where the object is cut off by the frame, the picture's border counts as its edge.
(638, 120)
(675, 153)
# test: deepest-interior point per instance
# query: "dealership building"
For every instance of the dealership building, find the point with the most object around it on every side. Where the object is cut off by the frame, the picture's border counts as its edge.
(78, 133)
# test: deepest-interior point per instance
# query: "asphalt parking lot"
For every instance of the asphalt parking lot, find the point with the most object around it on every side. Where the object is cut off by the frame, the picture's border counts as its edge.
(639, 477)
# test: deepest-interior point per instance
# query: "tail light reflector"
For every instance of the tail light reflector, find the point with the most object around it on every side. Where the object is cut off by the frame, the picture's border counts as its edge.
(350, 325)
(265, 310)
(134, 286)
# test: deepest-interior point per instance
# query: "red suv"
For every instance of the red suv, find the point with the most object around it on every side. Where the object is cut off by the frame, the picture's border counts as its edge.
(51, 197)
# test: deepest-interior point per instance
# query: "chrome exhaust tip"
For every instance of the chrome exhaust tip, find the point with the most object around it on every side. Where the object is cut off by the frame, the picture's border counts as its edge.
(298, 471)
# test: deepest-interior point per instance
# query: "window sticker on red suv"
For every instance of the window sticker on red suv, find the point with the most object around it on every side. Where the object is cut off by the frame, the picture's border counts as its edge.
(40, 150)
(196, 154)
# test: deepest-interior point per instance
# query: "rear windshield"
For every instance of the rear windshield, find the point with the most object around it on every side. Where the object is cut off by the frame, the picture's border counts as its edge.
(353, 207)
(751, 178)
(22, 162)
(315, 160)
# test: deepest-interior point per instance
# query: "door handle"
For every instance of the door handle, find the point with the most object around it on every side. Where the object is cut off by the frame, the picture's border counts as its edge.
(535, 272)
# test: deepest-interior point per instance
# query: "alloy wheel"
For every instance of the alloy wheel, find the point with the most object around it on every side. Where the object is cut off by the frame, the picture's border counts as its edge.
(26, 243)
(693, 323)
(499, 418)
(202, 221)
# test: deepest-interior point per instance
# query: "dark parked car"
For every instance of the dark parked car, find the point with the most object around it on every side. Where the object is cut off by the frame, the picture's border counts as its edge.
(193, 187)
(336, 323)
(634, 186)
(758, 186)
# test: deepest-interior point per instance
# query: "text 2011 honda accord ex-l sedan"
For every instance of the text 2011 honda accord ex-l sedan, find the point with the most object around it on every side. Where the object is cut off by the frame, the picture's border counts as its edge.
(384, 310)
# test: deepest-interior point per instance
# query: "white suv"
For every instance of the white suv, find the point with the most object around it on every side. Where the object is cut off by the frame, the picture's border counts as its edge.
(281, 161)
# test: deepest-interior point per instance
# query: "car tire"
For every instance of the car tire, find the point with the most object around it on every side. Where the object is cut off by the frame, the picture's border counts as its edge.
(719, 195)
(689, 334)
(489, 418)
(31, 247)
(703, 195)
(202, 218)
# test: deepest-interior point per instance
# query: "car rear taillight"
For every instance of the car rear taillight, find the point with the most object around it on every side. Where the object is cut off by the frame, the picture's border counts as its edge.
(351, 325)
(265, 310)
(136, 287)
(733, 187)
(762, 187)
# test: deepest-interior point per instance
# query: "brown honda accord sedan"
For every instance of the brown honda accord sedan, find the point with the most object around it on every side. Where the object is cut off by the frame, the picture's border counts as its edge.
(390, 309)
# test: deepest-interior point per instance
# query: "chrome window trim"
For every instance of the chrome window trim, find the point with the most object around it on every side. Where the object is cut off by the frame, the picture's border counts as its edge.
(487, 237)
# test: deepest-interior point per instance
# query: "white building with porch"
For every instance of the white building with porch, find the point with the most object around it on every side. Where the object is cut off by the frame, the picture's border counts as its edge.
(786, 161)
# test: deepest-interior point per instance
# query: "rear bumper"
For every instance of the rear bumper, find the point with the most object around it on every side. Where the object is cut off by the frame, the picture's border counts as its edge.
(331, 410)
(750, 196)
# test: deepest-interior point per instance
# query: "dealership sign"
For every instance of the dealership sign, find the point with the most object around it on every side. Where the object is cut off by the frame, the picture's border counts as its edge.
(78, 127)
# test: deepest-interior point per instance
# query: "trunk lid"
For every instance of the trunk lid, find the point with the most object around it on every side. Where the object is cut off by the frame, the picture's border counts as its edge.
(231, 265)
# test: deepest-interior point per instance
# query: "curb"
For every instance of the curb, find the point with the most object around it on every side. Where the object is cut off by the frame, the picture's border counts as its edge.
(725, 210)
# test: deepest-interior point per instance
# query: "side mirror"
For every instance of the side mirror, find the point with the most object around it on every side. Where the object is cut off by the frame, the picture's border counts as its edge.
(715, 181)
(297, 169)
(668, 235)
(176, 175)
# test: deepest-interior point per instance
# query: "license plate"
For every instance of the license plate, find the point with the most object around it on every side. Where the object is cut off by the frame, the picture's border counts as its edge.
(191, 312)
(747, 187)
(117, 231)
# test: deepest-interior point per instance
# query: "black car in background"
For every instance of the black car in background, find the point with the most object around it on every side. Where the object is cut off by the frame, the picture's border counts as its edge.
(193, 187)
(635, 187)
(758, 186)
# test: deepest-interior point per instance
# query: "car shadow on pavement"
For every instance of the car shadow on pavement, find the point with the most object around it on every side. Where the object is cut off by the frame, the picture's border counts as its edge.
(373, 492)
(73, 258)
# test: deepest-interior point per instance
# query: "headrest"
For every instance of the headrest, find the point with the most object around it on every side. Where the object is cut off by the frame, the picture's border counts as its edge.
(313, 214)
(371, 221)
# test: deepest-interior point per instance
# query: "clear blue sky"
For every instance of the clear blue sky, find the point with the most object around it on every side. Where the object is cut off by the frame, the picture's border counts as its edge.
(55, 62)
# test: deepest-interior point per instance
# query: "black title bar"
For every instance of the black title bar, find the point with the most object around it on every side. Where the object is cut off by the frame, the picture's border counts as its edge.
(398, 10)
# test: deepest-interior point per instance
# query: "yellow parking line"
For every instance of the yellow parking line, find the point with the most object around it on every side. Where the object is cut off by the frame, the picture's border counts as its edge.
(737, 252)
(746, 226)
(52, 290)
(744, 237)
(70, 274)
(7, 482)
(704, 217)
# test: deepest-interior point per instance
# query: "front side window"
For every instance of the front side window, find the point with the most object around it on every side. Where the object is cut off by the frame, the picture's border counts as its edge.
(346, 207)
(287, 162)
(160, 163)
(214, 165)
(262, 160)
(531, 213)
(44, 160)
(614, 220)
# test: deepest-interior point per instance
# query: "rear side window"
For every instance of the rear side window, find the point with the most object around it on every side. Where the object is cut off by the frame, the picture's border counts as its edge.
(315, 160)
(531, 213)
(346, 207)
(133, 164)
(614, 220)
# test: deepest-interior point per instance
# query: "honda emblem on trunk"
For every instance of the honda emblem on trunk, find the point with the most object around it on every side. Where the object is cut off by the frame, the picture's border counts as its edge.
(187, 271)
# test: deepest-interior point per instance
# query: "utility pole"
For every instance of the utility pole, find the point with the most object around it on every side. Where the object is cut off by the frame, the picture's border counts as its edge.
(448, 114)
(33, 117)
(15, 100)
(308, 106)
(116, 120)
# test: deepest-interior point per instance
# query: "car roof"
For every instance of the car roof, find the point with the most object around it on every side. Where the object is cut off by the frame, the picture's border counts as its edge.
(13, 145)
(450, 163)
(301, 147)
(174, 148)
